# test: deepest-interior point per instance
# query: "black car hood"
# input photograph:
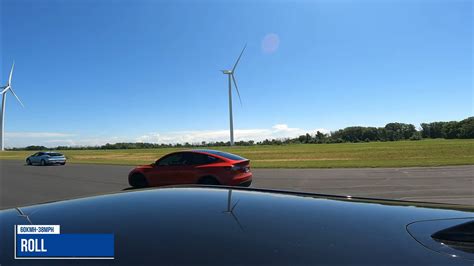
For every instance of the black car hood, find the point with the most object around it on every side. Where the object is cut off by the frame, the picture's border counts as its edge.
(225, 226)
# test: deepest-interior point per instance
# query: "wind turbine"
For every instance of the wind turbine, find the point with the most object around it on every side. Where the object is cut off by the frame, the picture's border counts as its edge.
(230, 210)
(230, 74)
(4, 91)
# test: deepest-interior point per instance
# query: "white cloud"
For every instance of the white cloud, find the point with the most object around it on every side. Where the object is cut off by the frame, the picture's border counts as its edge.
(53, 139)
(278, 131)
(284, 128)
(22, 139)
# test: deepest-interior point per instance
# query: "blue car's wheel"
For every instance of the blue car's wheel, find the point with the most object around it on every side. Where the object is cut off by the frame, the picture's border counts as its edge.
(43, 163)
(28, 162)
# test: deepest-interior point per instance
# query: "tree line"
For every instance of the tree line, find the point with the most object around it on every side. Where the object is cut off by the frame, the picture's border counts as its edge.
(463, 129)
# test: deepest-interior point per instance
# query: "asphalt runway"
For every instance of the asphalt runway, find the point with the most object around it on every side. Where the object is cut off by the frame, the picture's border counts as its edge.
(22, 185)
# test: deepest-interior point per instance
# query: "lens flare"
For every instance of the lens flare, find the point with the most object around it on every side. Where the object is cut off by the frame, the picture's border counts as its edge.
(270, 43)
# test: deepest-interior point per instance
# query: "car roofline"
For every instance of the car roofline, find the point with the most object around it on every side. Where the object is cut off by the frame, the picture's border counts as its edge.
(211, 154)
(347, 198)
(327, 196)
(203, 151)
(206, 152)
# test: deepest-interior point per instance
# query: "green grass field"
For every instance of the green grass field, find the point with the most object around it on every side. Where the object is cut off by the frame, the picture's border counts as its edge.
(375, 154)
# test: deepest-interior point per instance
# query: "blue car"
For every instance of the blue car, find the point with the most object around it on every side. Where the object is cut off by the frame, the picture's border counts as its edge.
(46, 158)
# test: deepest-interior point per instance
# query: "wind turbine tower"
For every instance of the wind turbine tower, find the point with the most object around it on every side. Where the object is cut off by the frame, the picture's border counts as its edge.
(231, 78)
(4, 91)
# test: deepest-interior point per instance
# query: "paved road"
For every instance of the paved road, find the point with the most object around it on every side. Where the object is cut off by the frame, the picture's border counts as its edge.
(24, 185)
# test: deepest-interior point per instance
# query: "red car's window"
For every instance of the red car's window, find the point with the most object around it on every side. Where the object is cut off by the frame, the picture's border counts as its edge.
(200, 159)
(173, 159)
(227, 155)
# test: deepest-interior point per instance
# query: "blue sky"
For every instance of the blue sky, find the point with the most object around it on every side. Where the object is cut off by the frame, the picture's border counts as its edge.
(91, 72)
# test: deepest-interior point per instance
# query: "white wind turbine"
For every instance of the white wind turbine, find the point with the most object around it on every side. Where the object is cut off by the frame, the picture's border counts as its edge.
(4, 91)
(230, 74)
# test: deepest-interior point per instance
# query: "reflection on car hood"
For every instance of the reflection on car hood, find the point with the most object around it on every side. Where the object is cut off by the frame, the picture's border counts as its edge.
(241, 226)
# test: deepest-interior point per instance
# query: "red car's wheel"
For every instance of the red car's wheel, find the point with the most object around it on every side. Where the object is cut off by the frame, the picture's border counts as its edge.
(137, 180)
(208, 180)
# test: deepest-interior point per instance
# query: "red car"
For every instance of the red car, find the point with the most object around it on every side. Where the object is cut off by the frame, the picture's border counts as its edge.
(194, 167)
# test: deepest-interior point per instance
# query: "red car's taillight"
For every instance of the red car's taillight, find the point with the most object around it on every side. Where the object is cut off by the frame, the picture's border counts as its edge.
(240, 169)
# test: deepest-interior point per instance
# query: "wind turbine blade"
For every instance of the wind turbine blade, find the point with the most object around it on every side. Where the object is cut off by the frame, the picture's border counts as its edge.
(5, 88)
(14, 94)
(238, 59)
(11, 74)
(237, 220)
(237, 89)
(234, 206)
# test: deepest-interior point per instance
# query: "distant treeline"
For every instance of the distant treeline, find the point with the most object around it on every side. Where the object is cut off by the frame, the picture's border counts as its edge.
(463, 129)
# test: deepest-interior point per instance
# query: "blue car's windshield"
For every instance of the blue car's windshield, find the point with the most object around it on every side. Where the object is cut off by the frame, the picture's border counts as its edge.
(54, 154)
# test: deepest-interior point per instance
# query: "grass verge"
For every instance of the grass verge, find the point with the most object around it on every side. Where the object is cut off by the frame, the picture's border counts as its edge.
(438, 152)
